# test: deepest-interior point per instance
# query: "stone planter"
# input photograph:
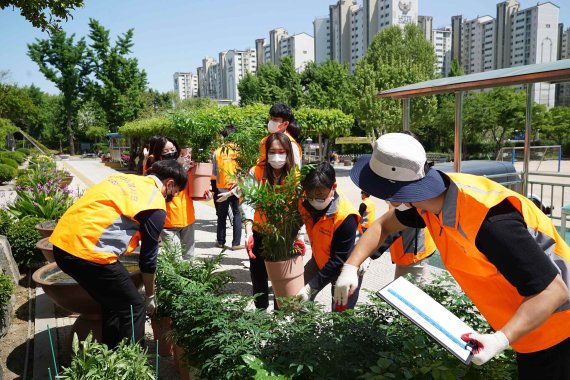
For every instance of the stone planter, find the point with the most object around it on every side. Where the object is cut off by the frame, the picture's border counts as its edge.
(160, 327)
(47, 249)
(286, 276)
(46, 228)
(66, 181)
(69, 295)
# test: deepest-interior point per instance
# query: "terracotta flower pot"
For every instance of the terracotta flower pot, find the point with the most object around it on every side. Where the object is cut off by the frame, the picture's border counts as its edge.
(183, 371)
(286, 276)
(200, 175)
(46, 228)
(160, 327)
(47, 249)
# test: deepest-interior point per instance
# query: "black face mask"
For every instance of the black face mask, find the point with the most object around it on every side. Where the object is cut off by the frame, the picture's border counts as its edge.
(170, 156)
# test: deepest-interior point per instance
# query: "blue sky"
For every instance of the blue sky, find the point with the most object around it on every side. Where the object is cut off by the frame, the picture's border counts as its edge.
(174, 35)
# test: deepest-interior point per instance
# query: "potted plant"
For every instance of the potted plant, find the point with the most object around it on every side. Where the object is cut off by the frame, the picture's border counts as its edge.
(279, 204)
(199, 130)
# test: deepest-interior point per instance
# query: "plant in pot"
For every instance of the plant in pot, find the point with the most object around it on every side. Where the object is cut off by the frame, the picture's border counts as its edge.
(279, 205)
(200, 130)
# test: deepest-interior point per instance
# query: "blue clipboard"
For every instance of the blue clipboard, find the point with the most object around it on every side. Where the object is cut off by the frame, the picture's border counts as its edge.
(429, 315)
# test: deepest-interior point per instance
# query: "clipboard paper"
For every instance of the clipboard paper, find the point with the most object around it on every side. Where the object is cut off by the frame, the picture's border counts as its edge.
(429, 315)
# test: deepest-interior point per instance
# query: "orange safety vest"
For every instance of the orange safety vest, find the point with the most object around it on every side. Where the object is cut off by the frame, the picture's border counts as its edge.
(369, 214)
(260, 175)
(262, 147)
(180, 210)
(226, 166)
(101, 225)
(455, 229)
(402, 249)
(321, 233)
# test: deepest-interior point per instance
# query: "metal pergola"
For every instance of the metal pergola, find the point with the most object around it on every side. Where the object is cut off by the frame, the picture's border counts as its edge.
(552, 72)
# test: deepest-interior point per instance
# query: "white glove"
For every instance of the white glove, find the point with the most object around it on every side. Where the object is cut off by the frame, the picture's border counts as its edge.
(307, 293)
(222, 197)
(488, 345)
(150, 304)
(364, 267)
(346, 284)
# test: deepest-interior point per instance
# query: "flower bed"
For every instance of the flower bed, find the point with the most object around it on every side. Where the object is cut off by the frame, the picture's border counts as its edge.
(220, 336)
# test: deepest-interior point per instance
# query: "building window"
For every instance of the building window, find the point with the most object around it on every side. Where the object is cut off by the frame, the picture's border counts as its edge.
(547, 26)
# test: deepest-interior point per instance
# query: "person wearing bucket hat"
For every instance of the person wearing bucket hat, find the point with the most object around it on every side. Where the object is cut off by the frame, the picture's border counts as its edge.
(501, 249)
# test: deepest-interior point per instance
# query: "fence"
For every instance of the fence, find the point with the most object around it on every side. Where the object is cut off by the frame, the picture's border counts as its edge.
(537, 153)
(552, 194)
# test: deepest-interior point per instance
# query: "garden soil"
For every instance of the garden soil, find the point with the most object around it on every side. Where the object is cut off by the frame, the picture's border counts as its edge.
(13, 344)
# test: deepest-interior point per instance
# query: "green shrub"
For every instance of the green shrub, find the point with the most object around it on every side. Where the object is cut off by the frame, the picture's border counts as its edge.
(6, 221)
(9, 162)
(92, 360)
(26, 151)
(23, 236)
(19, 157)
(6, 291)
(7, 173)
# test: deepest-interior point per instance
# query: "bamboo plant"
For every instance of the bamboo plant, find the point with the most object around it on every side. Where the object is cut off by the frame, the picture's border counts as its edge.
(279, 205)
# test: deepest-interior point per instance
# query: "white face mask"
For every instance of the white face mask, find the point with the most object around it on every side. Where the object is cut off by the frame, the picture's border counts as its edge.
(320, 205)
(277, 161)
(273, 126)
(402, 207)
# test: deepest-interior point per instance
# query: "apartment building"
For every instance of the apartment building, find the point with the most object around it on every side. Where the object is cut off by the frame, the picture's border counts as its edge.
(185, 85)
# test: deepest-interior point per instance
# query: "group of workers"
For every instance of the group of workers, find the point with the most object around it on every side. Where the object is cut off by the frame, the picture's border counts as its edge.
(503, 251)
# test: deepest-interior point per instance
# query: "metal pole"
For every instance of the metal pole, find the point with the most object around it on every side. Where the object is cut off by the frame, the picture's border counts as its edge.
(406, 114)
(527, 131)
(458, 132)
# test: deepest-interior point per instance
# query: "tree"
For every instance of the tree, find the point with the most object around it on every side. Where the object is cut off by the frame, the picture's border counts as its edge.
(289, 81)
(559, 127)
(249, 90)
(455, 69)
(119, 83)
(44, 14)
(492, 116)
(17, 105)
(396, 57)
(328, 85)
(68, 66)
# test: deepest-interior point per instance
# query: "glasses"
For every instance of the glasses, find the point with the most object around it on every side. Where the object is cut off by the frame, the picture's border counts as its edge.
(318, 200)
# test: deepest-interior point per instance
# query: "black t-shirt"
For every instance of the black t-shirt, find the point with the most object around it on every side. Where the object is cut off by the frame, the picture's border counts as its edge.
(504, 239)
(151, 223)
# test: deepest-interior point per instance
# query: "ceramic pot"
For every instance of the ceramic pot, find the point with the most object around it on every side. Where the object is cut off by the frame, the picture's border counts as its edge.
(47, 249)
(200, 175)
(46, 228)
(286, 276)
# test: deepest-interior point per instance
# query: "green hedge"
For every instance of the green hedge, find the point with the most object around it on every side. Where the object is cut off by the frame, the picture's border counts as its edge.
(9, 162)
(19, 157)
(23, 236)
(7, 173)
(199, 128)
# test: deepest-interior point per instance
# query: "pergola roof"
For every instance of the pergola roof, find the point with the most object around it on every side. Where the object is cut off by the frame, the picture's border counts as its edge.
(558, 71)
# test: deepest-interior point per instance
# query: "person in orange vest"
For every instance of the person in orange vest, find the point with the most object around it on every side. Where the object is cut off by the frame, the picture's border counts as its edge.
(281, 120)
(502, 250)
(180, 217)
(224, 168)
(279, 163)
(409, 249)
(108, 221)
(148, 158)
(367, 211)
(332, 224)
